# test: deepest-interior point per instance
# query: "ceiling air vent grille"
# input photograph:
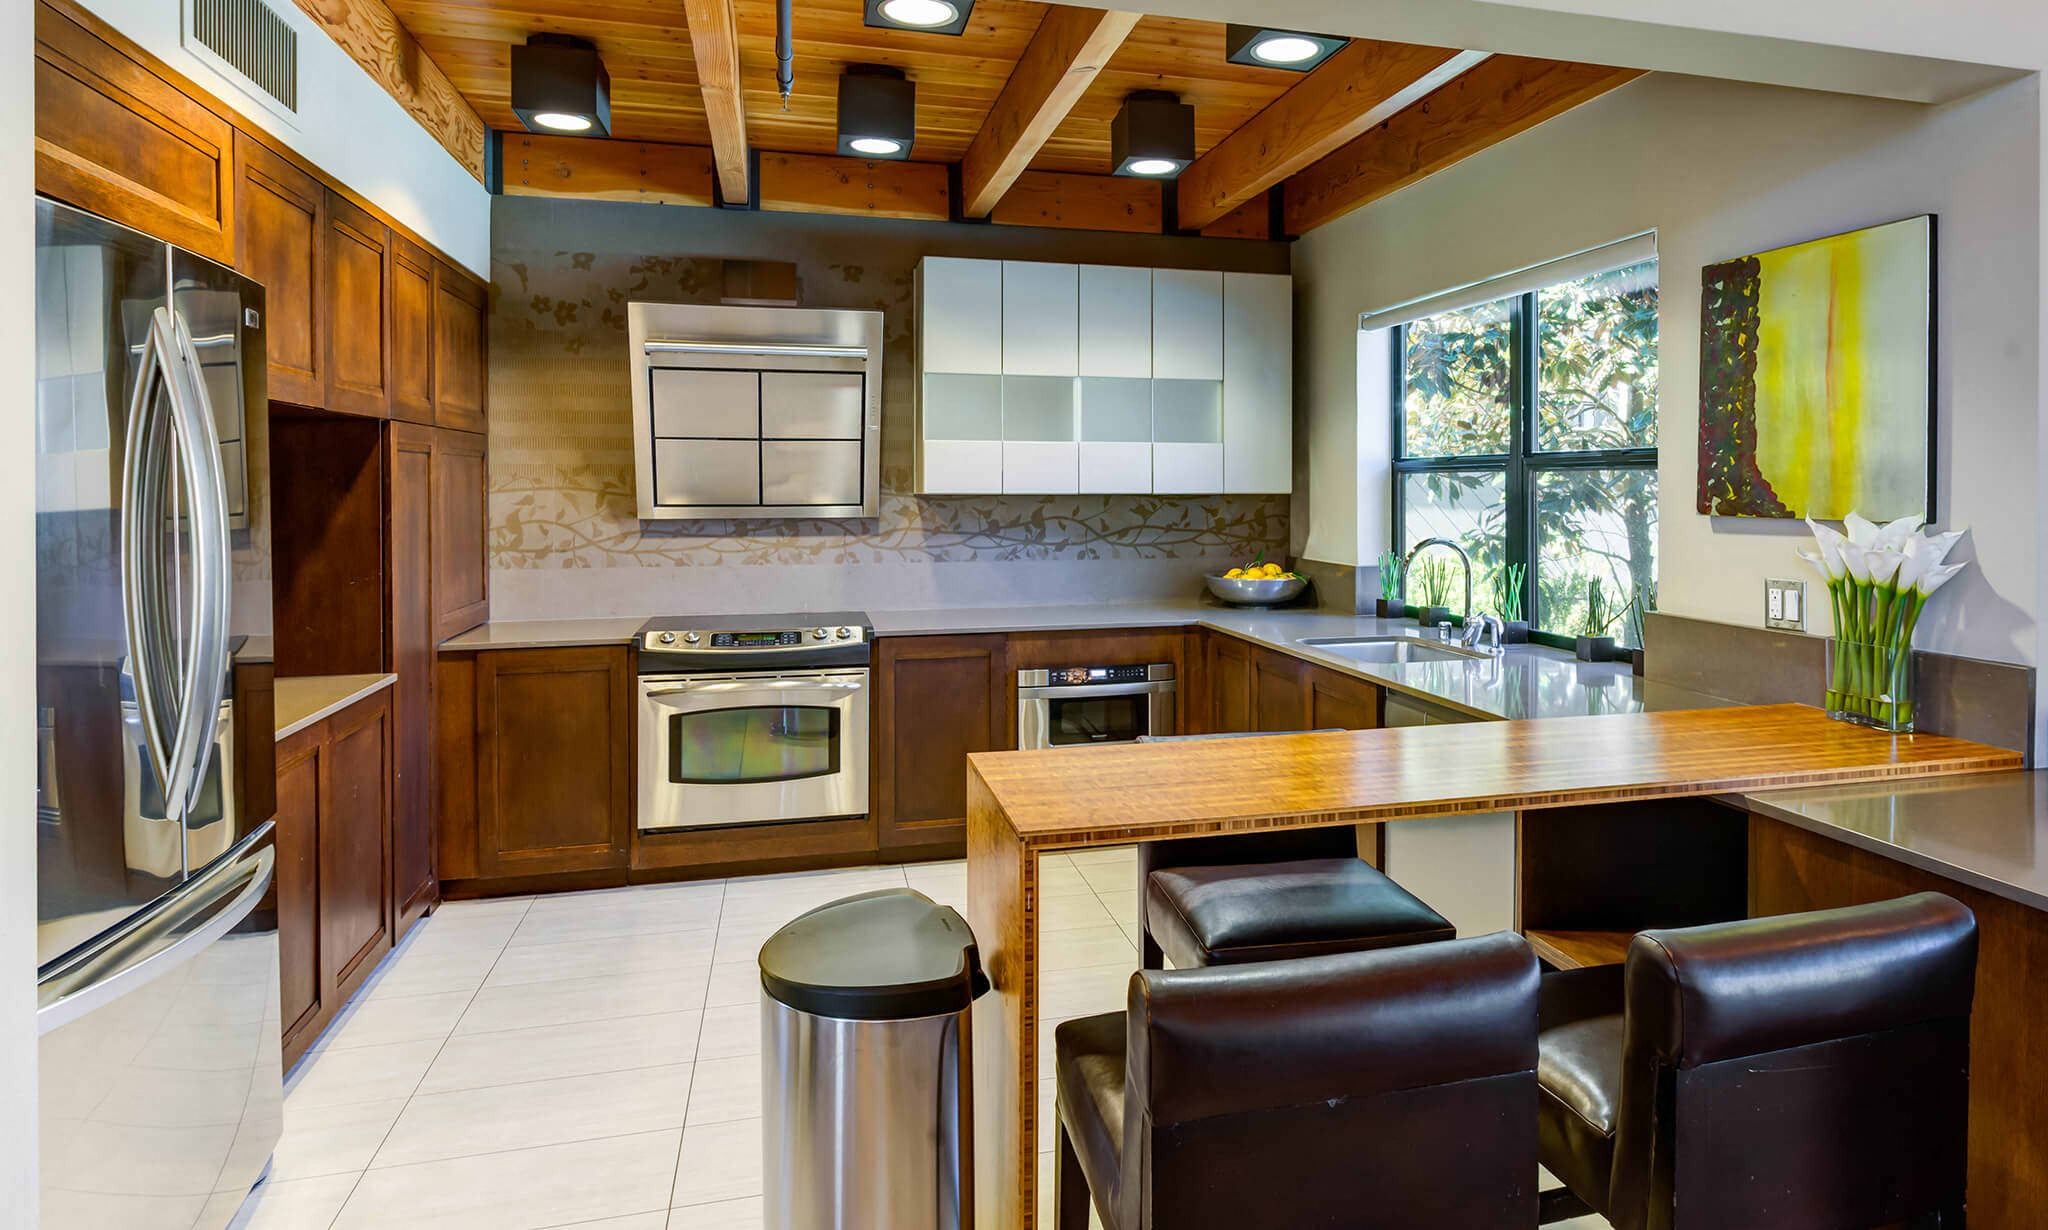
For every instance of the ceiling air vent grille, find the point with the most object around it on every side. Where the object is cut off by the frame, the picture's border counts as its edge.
(254, 41)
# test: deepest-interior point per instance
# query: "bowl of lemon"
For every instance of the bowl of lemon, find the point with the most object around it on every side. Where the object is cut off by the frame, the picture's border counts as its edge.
(1257, 584)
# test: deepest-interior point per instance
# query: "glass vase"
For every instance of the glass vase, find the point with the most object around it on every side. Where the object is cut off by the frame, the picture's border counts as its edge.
(1871, 685)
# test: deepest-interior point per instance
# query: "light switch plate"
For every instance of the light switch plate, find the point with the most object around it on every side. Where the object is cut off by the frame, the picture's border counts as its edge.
(1785, 605)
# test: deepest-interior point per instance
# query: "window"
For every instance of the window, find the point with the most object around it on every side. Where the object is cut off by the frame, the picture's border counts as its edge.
(1526, 433)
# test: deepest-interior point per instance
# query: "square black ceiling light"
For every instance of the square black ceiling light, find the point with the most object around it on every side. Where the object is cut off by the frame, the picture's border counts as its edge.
(928, 16)
(559, 86)
(1266, 47)
(1152, 136)
(877, 112)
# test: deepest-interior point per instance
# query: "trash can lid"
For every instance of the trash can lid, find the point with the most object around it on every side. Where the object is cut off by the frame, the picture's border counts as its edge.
(892, 955)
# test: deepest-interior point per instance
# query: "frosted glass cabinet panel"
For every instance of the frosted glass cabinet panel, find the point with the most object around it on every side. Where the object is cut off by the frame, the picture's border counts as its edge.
(1187, 324)
(1258, 382)
(960, 311)
(1116, 321)
(959, 406)
(1039, 319)
(1038, 408)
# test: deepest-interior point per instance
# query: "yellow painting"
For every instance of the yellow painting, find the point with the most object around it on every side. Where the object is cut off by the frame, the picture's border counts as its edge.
(1815, 377)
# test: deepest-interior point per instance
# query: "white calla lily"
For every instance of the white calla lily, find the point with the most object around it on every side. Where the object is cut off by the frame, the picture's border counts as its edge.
(1862, 530)
(1879, 578)
(1934, 547)
(1936, 577)
(1894, 534)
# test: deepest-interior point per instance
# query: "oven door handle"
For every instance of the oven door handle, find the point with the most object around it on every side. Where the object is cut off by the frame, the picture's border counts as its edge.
(776, 685)
(1082, 691)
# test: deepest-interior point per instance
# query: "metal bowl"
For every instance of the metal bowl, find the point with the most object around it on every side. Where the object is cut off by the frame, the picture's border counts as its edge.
(1245, 591)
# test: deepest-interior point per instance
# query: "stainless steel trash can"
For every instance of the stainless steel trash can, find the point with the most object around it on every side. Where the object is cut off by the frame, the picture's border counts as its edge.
(867, 1114)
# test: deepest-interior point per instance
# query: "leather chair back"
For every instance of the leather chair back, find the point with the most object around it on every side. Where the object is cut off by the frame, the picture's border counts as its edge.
(1381, 1089)
(1810, 1070)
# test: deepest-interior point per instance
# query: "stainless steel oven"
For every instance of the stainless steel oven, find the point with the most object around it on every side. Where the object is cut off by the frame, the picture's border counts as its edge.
(1068, 706)
(737, 745)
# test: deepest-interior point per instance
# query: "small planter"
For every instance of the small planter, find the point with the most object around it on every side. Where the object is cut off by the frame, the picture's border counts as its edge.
(1635, 662)
(1871, 685)
(1514, 632)
(1595, 649)
(1390, 608)
(1431, 616)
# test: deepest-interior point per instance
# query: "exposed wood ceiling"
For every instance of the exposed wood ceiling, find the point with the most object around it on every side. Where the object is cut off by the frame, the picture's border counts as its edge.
(1311, 145)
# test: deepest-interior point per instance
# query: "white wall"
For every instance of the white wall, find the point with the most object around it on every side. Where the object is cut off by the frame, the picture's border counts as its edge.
(1719, 169)
(17, 629)
(347, 125)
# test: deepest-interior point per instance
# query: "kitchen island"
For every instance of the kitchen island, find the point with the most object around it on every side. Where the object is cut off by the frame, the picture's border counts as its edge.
(1024, 804)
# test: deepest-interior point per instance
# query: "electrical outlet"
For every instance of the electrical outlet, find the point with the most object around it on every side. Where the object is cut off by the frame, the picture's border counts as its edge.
(1785, 605)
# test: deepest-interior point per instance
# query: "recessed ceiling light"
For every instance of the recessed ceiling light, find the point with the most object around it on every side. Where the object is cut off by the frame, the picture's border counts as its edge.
(926, 16)
(1152, 135)
(877, 112)
(559, 85)
(1266, 47)
(562, 121)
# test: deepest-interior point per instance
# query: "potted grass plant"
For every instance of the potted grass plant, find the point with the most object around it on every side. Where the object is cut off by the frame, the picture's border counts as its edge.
(1594, 644)
(1432, 578)
(1879, 578)
(1390, 604)
(1507, 603)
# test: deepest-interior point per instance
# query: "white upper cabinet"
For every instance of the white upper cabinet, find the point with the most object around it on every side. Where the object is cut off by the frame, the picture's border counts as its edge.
(1258, 382)
(1116, 321)
(961, 316)
(1040, 325)
(1187, 324)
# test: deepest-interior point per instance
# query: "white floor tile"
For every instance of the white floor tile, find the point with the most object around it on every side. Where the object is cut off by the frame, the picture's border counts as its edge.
(297, 1204)
(431, 973)
(721, 1161)
(1083, 992)
(439, 1126)
(381, 1021)
(443, 932)
(632, 1221)
(1062, 881)
(1072, 913)
(736, 982)
(476, 1061)
(725, 1090)
(730, 1031)
(524, 1189)
(326, 1140)
(1111, 877)
(632, 915)
(360, 1074)
(1103, 945)
(1123, 907)
(568, 1000)
(626, 954)
(742, 941)
(1105, 856)
(726, 1215)
(479, 907)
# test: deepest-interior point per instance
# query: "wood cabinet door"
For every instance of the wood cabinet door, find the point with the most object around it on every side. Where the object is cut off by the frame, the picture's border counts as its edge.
(298, 887)
(1280, 698)
(115, 138)
(552, 732)
(280, 222)
(355, 843)
(410, 581)
(460, 344)
(937, 699)
(1338, 701)
(462, 596)
(358, 310)
(1229, 662)
(412, 332)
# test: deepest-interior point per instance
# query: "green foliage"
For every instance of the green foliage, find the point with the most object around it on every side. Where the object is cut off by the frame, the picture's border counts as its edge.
(1432, 579)
(1507, 591)
(1596, 611)
(1390, 576)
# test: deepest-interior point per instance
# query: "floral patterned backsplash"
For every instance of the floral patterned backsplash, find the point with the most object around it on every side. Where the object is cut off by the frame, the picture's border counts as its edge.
(561, 439)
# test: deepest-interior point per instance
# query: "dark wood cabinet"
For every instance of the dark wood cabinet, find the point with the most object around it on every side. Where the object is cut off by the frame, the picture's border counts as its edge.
(552, 776)
(937, 699)
(1337, 701)
(1228, 666)
(461, 341)
(462, 595)
(409, 581)
(118, 137)
(356, 315)
(1280, 691)
(280, 222)
(333, 857)
(412, 332)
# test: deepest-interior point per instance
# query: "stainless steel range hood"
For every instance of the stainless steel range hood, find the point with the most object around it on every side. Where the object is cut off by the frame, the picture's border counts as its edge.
(755, 411)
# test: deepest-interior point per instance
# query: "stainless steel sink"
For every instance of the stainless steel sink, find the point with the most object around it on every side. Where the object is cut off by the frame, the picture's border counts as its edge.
(1392, 650)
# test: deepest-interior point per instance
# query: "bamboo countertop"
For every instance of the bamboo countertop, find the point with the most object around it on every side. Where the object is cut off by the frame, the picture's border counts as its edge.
(1132, 792)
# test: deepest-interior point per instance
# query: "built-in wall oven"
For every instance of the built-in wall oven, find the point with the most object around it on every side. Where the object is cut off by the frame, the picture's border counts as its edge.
(1066, 706)
(753, 720)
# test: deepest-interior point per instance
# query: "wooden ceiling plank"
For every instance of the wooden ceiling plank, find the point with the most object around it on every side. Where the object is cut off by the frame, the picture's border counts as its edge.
(1071, 46)
(537, 165)
(829, 184)
(1082, 202)
(1496, 100)
(1361, 85)
(715, 43)
(380, 44)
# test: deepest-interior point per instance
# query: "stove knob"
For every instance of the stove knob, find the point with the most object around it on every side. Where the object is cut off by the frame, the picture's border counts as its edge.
(691, 638)
(844, 634)
(819, 634)
(667, 638)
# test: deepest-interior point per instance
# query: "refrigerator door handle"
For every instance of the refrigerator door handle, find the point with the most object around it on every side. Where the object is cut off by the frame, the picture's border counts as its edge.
(146, 506)
(207, 510)
(160, 939)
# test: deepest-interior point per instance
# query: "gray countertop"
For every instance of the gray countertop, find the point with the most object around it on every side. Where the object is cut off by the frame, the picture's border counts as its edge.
(302, 700)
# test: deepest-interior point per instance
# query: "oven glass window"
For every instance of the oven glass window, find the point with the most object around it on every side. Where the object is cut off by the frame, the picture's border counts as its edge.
(1098, 719)
(759, 743)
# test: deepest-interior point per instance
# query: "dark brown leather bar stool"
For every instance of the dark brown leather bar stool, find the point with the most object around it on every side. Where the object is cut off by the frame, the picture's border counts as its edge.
(1268, 896)
(1802, 1072)
(1372, 1091)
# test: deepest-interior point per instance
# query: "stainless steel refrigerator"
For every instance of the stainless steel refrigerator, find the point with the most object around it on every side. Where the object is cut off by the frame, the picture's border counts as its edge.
(157, 989)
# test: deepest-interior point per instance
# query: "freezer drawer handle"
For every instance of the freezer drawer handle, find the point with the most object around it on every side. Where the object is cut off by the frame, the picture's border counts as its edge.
(151, 946)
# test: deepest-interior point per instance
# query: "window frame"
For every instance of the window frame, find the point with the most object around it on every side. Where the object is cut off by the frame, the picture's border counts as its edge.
(1519, 465)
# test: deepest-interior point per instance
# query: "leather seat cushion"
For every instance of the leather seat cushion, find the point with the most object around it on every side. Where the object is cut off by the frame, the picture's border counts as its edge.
(1578, 1070)
(1089, 1064)
(1233, 914)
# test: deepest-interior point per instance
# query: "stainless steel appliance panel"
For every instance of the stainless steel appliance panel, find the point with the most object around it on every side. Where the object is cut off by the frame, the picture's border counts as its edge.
(810, 472)
(812, 405)
(1119, 704)
(714, 472)
(753, 748)
(705, 404)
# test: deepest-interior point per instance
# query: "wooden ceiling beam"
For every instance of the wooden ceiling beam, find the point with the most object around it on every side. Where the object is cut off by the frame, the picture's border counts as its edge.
(381, 46)
(1344, 97)
(1484, 106)
(538, 165)
(715, 44)
(1071, 46)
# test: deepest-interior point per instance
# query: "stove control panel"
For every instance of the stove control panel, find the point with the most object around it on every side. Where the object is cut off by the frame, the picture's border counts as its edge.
(753, 641)
(1071, 676)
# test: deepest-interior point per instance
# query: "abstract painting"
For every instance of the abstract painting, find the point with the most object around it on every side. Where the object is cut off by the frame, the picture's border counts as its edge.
(1816, 378)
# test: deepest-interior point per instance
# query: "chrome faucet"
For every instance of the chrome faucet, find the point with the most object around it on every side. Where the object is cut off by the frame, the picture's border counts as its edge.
(1463, 558)
(1479, 627)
